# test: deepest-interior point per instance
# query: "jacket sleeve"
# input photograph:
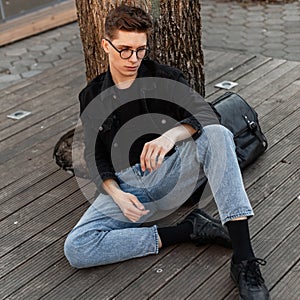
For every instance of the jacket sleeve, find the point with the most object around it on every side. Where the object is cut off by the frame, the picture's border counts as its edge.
(97, 158)
(193, 109)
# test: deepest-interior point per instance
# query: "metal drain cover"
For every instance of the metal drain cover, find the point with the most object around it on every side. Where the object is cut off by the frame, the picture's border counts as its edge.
(20, 114)
(227, 85)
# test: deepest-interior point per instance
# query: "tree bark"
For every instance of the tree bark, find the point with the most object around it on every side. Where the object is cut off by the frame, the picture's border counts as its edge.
(176, 39)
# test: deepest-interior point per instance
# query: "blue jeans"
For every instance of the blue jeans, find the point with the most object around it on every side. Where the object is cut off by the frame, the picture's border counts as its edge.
(104, 235)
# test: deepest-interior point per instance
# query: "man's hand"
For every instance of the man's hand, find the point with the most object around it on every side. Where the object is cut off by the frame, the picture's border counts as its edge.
(129, 204)
(154, 152)
(131, 207)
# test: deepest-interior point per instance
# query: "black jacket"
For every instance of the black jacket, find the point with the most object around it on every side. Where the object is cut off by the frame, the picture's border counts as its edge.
(160, 91)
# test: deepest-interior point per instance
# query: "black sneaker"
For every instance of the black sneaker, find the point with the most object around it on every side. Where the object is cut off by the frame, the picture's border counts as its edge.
(247, 277)
(207, 230)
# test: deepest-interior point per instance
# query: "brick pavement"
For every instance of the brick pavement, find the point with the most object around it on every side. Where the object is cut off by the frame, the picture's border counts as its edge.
(271, 30)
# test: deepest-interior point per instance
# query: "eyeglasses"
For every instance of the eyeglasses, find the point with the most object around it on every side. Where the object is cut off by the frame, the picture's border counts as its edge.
(127, 53)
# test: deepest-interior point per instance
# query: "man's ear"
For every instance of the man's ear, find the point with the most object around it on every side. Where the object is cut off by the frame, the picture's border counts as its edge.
(104, 43)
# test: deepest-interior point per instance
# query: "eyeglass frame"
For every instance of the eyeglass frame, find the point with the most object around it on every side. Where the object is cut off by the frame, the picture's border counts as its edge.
(147, 48)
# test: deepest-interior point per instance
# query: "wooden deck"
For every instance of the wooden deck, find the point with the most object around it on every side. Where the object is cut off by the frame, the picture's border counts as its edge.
(39, 204)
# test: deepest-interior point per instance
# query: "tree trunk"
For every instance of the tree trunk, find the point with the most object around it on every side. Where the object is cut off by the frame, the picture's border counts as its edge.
(176, 39)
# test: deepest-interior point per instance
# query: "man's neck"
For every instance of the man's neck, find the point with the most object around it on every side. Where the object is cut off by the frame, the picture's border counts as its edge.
(123, 84)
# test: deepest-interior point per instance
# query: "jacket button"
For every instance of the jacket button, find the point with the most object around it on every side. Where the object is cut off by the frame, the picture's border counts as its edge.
(100, 128)
(115, 145)
(115, 97)
(163, 121)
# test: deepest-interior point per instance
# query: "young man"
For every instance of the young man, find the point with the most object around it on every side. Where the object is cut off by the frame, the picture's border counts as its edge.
(142, 173)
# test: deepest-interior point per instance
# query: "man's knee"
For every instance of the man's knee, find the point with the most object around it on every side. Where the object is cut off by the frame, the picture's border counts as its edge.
(72, 252)
(217, 129)
(78, 249)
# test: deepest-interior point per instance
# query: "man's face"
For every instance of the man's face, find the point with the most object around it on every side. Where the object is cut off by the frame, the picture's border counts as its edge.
(124, 69)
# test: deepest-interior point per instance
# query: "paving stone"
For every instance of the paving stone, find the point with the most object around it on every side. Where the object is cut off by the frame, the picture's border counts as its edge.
(254, 49)
(292, 29)
(237, 22)
(274, 33)
(71, 55)
(31, 73)
(274, 21)
(291, 18)
(5, 85)
(250, 43)
(274, 46)
(9, 78)
(32, 55)
(255, 19)
(254, 24)
(41, 66)
(277, 39)
(48, 58)
(254, 8)
(18, 69)
(253, 36)
(293, 36)
(55, 51)
(295, 42)
(217, 30)
(24, 62)
(293, 56)
(274, 53)
(5, 63)
(288, 11)
(39, 47)
(16, 52)
(60, 45)
(293, 49)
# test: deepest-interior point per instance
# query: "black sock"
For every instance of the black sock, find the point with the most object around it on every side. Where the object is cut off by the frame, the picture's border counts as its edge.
(175, 234)
(240, 237)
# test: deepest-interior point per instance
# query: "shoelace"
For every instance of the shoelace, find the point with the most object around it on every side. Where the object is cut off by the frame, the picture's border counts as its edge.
(252, 272)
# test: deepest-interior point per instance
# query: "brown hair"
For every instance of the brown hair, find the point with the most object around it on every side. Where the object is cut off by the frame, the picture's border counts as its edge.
(127, 18)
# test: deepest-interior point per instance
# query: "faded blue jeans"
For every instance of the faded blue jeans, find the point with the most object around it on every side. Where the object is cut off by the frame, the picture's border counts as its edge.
(104, 235)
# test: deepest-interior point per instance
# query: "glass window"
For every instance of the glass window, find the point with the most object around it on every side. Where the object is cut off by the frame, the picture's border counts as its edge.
(13, 8)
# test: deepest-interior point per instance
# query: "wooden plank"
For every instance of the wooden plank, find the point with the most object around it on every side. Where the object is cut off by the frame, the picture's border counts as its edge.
(27, 163)
(40, 222)
(277, 151)
(181, 286)
(267, 87)
(23, 91)
(267, 184)
(237, 73)
(206, 268)
(171, 271)
(42, 110)
(11, 150)
(288, 286)
(45, 249)
(279, 99)
(45, 281)
(36, 235)
(37, 22)
(248, 82)
(222, 65)
(23, 183)
(21, 209)
(264, 217)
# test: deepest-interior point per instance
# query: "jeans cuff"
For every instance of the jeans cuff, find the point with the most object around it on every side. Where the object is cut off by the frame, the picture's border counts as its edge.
(248, 213)
(156, 239)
